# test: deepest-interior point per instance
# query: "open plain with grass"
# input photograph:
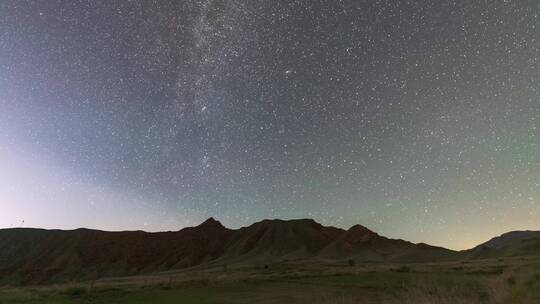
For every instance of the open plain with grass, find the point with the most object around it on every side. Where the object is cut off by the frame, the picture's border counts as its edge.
(508, 280)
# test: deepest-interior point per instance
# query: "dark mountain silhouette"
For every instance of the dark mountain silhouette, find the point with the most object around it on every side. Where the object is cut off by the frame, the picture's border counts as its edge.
(363, 244)
(37, 256)
(514, 243)
(42, 256)
(272, 240)
(511, 239)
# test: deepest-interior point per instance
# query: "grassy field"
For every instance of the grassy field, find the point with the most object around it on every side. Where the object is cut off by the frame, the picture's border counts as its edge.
(489, 281)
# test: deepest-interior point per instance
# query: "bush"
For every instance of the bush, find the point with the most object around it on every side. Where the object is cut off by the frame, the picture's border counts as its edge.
(351, 263)
(75, 292)
(164, 286)
(403, 269)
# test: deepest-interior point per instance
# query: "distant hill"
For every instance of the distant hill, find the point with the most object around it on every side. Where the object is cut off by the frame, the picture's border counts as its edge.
(37, 256)
(42, 256)
(362, 244)
(275, 240)
(515, 243)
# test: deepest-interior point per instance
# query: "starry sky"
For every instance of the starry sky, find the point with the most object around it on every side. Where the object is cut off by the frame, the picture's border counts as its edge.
(417, 119)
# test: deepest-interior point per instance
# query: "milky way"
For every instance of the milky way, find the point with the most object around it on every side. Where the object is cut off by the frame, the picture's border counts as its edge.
(417, 119)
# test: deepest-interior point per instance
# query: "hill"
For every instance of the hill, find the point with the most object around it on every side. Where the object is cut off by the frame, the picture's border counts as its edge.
(362, 244)
(514, 243)
(37, 256)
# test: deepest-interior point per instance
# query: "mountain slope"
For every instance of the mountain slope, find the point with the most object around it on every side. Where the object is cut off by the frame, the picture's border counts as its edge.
(272, 240)
(40, 256)
(36, 256)
(363, 244)
(514, 243)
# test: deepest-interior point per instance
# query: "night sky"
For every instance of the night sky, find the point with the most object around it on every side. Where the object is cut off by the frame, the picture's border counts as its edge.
(417, 119)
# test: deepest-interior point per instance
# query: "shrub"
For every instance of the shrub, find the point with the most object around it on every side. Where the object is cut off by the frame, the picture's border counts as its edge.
(164, 286)
(75, 292)
(403, 269)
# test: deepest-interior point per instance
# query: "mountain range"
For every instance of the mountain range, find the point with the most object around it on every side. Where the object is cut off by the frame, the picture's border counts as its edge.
(37, 256)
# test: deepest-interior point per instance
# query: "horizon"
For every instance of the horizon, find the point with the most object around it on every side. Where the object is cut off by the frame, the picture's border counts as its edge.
(467, 247)
(417, 120)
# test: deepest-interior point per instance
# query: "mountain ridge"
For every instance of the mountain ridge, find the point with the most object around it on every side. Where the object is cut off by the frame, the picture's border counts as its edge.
(40, 256)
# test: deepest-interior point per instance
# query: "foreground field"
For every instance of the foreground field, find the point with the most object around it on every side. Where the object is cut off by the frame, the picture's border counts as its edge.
(490, 281)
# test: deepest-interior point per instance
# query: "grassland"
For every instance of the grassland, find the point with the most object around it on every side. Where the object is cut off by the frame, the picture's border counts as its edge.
(514, 280)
